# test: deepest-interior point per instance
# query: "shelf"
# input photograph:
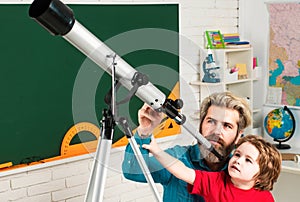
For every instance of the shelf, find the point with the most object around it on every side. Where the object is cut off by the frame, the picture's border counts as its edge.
(235, 49)
(199, 83)
(238, 81)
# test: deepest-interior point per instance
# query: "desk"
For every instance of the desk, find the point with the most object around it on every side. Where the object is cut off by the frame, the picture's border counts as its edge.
(291, 167)
(287, 188)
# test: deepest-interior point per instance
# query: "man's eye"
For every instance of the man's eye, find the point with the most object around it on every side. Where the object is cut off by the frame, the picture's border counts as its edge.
(228, 126)
(211, 121)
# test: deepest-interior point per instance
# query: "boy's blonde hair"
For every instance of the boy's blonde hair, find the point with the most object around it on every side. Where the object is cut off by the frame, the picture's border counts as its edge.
(269, 161)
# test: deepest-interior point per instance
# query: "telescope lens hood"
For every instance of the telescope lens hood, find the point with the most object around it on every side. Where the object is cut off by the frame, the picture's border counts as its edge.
(53, 15)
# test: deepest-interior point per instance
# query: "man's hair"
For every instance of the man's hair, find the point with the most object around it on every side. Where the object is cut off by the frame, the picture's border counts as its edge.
(229, 101)
(269, 161)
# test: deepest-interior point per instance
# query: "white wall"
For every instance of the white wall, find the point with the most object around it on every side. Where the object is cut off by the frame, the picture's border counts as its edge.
(67, 181)
(254, 28)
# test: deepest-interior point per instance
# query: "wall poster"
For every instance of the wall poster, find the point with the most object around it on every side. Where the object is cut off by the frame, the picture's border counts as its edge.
(284, 50)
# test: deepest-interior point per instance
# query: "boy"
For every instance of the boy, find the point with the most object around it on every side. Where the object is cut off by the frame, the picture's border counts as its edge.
(251, 173)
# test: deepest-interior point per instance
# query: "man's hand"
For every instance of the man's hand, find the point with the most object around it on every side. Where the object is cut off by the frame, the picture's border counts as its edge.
(148, 120)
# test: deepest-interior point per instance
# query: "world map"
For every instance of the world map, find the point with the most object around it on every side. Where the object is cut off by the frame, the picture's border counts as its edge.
(284, 50)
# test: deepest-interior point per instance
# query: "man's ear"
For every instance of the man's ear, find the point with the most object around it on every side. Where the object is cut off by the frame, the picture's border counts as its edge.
(239, 135)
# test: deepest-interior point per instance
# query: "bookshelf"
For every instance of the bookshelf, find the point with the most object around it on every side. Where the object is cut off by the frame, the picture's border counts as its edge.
(241, 85)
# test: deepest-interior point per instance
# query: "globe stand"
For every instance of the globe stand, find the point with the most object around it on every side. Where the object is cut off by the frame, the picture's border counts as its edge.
(280, 145)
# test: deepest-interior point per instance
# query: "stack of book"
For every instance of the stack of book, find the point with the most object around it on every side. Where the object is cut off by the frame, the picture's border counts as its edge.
(228, 38)
(232, 40)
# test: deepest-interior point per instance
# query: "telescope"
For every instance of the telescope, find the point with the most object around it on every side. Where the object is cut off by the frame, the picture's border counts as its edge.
(59, 19)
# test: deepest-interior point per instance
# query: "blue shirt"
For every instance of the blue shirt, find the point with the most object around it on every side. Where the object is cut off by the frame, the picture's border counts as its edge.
(174, 188)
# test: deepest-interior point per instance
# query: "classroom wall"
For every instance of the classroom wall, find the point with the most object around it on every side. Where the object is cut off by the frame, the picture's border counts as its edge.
(66, 180)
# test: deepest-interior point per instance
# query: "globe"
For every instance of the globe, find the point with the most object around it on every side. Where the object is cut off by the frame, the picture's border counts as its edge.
(280, 124)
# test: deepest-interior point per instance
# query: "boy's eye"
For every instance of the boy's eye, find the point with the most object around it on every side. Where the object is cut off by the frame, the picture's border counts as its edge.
(237, 154)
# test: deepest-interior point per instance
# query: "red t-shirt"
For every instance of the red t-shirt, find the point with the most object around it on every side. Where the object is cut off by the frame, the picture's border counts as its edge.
(217, 186)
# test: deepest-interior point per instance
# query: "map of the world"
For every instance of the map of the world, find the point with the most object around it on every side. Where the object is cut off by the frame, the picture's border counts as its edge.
(284, 50)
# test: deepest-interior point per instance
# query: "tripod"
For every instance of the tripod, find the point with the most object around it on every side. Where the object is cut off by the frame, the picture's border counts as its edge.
(96, 184)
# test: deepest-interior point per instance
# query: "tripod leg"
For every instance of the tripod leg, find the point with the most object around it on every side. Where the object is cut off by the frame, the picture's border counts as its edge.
(96, 185)
(140, 158)
(144, 167)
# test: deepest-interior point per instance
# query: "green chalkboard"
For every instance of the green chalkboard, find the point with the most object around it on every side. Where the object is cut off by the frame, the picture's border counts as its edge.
(47, 85)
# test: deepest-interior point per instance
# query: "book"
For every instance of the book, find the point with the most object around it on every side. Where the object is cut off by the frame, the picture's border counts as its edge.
(237, 43)
(242, 71)
(238, 46)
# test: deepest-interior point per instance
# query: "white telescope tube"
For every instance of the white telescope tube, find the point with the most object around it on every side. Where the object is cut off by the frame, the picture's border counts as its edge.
(58, 19)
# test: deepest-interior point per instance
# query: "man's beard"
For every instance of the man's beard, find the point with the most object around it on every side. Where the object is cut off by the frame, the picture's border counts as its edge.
(222, 149)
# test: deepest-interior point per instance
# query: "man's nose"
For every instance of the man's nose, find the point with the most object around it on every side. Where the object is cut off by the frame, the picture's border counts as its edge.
(219, 129)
